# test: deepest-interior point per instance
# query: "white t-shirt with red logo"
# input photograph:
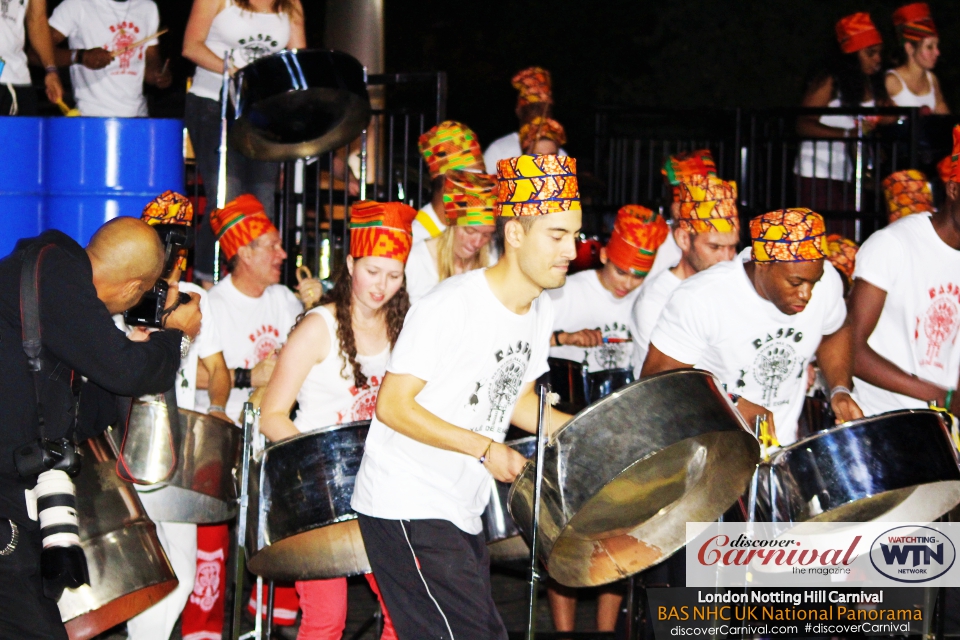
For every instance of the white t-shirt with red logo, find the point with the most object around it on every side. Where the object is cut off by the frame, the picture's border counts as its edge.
(583, 303)
(716, 321)
(251, 329)
(475, 355)
(917, 329)
(117, 89)
(328, 397)
(654, 294)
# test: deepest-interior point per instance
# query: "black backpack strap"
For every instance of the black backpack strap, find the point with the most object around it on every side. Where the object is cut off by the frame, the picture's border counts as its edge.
(30, 317)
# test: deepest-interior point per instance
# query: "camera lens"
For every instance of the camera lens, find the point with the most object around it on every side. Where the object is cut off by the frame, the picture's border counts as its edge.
(57, 508)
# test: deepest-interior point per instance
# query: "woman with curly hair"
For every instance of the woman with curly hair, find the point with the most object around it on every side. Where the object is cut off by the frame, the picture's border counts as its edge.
(333, 364)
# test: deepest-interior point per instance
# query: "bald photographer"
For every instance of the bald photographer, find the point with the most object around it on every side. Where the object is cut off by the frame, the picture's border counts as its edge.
(60, 389)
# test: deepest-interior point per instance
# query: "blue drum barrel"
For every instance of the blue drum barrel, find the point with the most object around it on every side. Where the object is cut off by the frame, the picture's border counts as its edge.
(101, 168)
(21, 180)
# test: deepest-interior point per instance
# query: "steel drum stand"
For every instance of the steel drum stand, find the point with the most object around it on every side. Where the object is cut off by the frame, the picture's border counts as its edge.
(535, 577)
(239, 546)
(222, 171)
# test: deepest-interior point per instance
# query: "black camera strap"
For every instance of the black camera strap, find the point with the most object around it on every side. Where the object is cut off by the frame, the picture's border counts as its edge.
(30, 318)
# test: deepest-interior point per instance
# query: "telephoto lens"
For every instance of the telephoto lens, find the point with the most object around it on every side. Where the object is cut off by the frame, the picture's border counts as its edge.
(62, 563)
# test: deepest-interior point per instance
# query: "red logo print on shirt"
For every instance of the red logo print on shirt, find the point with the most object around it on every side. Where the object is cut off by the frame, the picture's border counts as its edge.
(938, 325)
(266, 340)
(124, 35)
(364, 402)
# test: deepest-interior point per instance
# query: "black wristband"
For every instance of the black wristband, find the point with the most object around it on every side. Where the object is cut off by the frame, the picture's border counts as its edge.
(556, 337)
(241, 378)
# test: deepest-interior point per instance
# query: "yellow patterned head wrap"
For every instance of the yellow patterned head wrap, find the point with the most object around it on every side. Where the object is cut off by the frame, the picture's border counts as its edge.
(788, 235)
(469, 198)
(907, 192)
(450, 145)
(537, 185)
(708, 204)
(842, 253)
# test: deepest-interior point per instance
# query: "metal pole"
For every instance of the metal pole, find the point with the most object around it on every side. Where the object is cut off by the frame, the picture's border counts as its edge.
(535, 529)
(222, 173)
(248, 421)
(858, 193)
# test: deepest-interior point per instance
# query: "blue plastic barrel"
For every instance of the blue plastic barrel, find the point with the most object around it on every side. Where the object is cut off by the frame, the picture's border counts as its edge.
(101, 168)
(21, 180)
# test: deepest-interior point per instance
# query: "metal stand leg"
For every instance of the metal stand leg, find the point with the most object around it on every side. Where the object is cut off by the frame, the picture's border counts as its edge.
(535, 576)
(238, 553)
(271, 588)
(222, 172)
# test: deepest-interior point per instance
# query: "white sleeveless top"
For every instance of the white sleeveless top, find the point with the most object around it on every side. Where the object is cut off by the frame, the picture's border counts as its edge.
(250, 34)
(825, 159)
(907, 98)
(327, 398)
(12, 14)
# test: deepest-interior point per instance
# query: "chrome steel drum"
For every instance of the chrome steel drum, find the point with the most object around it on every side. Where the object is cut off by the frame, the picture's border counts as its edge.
(129, 572)
(204, 452)
(296, 104)
(503, 537)
(898, 467)
(302, 526)
(622, 479)
(578, 387)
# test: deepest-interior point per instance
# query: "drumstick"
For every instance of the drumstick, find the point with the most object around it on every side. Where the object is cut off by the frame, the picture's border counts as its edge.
(139, 42)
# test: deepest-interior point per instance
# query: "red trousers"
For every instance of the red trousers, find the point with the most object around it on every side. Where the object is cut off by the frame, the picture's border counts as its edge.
(204, 614)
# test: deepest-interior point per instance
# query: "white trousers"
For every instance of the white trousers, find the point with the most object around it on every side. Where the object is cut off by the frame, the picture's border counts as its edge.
(179, 541)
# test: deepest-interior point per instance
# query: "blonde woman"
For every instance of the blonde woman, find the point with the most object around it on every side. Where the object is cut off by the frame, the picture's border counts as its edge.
(468, 200)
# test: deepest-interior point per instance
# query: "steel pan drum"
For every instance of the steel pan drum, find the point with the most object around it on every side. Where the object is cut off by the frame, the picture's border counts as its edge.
(300, 491)
(578, 387)
(297, 104)
(898, 467)
(129, 572)
(204, 453)
(622, 479)
(503, 537)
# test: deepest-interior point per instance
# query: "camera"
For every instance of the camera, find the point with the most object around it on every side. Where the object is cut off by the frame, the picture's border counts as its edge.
(176, 238)
(47, 455)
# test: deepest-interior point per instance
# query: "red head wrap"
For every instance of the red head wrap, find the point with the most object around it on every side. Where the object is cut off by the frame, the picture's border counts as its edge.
(914, 22)
(239, 223)
(637, 234)
(538, 129)
(533, 85)
(856, 32)
(381, 229)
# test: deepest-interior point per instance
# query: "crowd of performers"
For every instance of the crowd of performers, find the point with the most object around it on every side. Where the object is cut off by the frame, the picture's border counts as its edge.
(443, 319)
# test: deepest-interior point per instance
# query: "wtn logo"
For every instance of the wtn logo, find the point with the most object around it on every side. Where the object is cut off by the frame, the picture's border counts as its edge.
(918, 557)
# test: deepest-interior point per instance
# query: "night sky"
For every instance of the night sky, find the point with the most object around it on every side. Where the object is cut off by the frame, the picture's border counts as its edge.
(749, 53)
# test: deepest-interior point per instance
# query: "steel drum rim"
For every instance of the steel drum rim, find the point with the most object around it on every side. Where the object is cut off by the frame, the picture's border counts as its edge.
(313, 432)
(851, 424)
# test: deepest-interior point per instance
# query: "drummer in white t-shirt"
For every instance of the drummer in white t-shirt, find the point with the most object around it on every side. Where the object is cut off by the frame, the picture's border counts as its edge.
(706, 230)
(461, 372)
(905, 310)
(757, 321)
(464, 245)
(17, 96)
(106, 70)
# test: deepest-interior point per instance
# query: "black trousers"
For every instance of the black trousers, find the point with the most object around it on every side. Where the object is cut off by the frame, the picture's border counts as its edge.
(202, 117)
(434, 578)
(25, 613)
(26, 100)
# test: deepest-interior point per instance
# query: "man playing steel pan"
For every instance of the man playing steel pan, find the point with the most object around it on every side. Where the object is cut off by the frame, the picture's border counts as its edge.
(462, 370)
(758, 320)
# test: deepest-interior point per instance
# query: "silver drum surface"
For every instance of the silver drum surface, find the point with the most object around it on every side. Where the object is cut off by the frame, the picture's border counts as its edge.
(129, 572)
(301, 525)
(899, 466)
(622, 479)
(504, 541)
(205, 451)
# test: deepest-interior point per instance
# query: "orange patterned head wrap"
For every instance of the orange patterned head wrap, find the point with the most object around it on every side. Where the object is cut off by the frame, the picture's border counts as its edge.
(856, 32)
(708, 204)
(907, 192)
(469, 198)
(788, 235)
(684, 166)
(637, 234)
(450, 145)
(914, 22)
(949, 167)
(533, 85)
(537, 185)
(239, 223)
(842, 254)
(170, 208)
(539, 128)
(381, 229)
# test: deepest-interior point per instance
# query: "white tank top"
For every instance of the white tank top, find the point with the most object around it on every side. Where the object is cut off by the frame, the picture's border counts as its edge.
(250, 34)
(327, 398)
(907, 98)
(12, 13)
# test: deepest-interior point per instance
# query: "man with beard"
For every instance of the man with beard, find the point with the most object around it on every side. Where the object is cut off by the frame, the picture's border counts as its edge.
(757, 321)
(464, 368)
(706, 229)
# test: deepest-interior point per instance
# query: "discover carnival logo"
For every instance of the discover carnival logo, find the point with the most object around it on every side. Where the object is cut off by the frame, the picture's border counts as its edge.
(912, 554)
(784, 552)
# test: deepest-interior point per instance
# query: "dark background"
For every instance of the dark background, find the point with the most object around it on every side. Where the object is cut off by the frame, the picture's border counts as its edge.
(680, 53)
